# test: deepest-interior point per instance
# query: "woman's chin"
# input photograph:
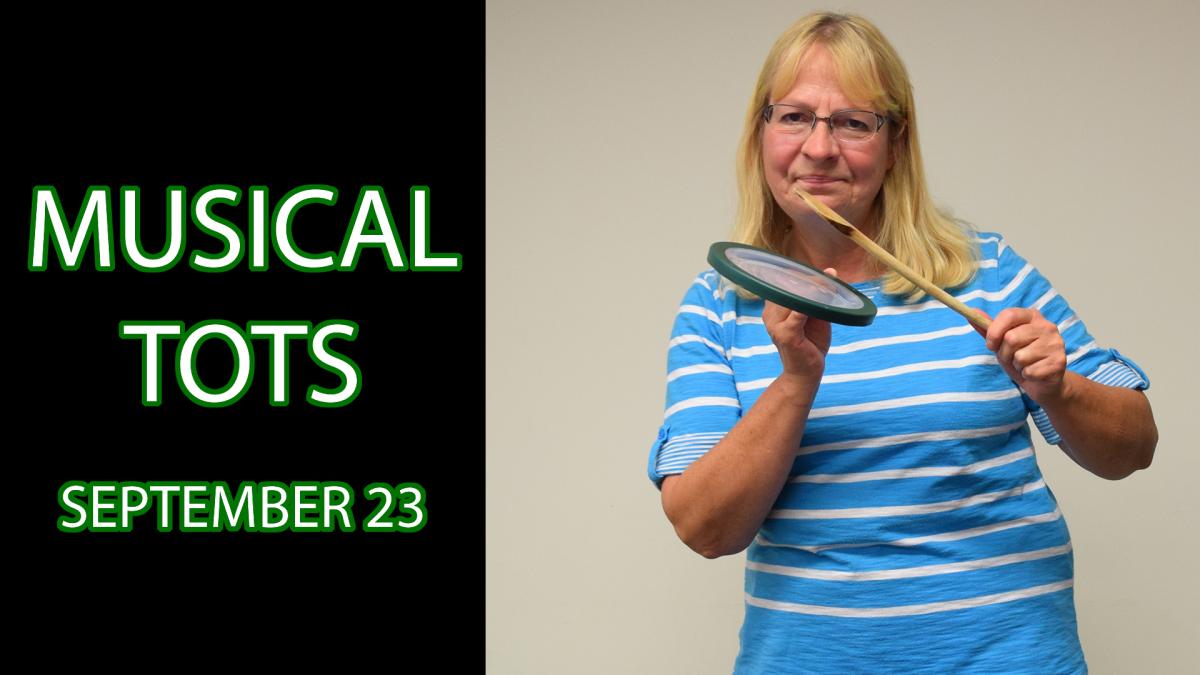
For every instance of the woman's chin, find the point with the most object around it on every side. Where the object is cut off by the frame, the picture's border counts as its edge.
(828, 200)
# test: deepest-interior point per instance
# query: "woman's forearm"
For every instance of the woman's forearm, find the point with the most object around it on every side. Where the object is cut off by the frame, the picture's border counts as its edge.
(721, 500)
(1109, 431)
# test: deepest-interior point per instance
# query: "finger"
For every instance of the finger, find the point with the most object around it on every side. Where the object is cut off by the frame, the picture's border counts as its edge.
(1048, 369)
(1045, 346)
(831, 272)
(773, 313)
(1015, 340)
(819, 332)
(790, 330)
(797, 318)
(783, 324)
(1004, 322)
(780, 314)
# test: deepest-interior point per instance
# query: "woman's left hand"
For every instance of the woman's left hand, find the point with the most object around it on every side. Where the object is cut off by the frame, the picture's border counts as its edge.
(1031, 350)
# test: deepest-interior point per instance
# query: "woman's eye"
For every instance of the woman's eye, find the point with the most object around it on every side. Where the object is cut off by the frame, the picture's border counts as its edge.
(796, 119)
(855, 124)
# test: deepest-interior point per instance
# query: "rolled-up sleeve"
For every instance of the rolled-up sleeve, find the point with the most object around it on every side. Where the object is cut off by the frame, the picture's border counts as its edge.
(701, 402)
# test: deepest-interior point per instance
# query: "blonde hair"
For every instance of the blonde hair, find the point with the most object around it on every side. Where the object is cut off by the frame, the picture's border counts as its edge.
(868, 68)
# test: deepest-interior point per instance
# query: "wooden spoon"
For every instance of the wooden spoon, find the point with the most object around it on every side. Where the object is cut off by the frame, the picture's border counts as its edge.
(842, 225)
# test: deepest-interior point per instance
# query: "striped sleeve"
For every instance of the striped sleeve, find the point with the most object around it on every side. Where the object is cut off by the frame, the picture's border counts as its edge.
(702, 402)
(1026, 287)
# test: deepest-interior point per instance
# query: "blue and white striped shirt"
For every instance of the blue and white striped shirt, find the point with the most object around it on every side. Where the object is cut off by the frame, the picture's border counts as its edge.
(916, 532)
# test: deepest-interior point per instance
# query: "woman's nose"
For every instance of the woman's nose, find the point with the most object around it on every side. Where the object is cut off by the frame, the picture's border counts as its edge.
(820, 143)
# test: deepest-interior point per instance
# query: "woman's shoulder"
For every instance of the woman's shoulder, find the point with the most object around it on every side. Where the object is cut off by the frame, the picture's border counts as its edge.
(708, 278)
(706, 288)
(991, 244)
(709, 290)
(998, 262)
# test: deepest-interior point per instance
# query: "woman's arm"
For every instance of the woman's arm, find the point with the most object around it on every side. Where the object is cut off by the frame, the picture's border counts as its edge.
(721, 500)
(1109, 431)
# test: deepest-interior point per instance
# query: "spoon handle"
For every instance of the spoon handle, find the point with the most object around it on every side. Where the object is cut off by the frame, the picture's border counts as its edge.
(844, 226)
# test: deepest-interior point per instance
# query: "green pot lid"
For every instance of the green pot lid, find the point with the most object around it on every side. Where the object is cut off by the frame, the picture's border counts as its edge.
(791, 284)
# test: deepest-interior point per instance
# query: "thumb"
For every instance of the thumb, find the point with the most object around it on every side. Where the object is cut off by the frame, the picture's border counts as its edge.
(831, 272)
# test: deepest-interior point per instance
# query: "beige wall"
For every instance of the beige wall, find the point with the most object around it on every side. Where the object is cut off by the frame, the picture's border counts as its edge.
(611, 128)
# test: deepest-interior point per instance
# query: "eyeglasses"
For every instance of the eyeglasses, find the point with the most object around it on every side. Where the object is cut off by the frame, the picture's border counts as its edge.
(851, 126)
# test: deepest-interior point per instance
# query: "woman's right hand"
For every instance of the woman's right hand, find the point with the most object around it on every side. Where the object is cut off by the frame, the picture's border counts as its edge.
(802, 340)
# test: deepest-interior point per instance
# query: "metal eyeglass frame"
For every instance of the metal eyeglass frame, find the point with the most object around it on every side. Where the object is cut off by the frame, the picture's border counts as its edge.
(880, 121)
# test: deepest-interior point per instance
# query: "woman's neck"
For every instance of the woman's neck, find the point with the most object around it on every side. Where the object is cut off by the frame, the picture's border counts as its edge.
(817, 244)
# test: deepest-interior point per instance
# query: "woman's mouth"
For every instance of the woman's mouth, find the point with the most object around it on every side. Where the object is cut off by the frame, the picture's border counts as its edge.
(817, 184)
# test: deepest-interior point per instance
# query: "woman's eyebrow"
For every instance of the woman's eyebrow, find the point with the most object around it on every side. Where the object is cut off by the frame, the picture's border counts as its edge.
(809, 108)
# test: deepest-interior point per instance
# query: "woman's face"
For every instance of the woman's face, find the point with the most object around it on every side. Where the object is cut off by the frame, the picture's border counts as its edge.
(844, 176)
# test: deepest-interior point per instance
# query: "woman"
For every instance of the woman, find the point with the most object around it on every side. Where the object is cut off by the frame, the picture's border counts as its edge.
(882, 478)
